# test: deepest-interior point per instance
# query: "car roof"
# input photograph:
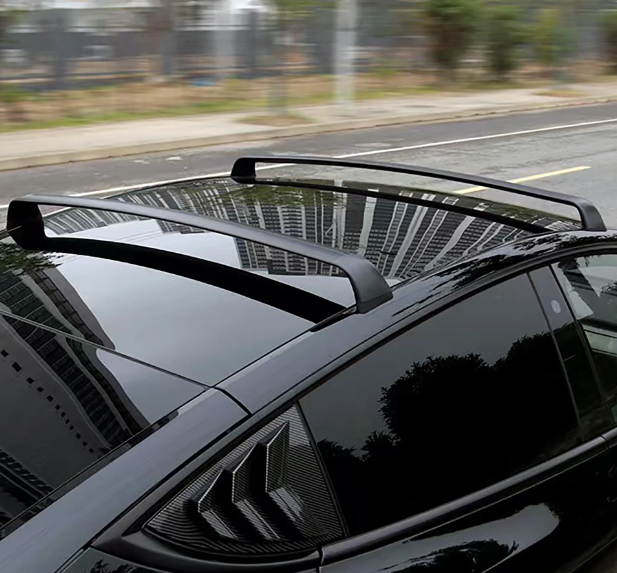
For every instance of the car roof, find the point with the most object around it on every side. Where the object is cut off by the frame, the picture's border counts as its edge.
(197, 326)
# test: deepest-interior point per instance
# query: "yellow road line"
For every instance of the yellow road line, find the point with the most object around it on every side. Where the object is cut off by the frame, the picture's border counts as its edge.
(530, 178)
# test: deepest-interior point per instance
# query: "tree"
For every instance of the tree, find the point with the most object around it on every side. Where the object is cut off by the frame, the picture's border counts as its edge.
(288, 14)
(160, 24)
(19, 261)
(609, 36)
(550, 40)
(505, 34)
(451, 27)
(10, 95)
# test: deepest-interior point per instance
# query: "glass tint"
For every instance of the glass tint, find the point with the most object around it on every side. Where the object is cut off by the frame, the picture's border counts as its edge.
(590, 283)
(461, 401)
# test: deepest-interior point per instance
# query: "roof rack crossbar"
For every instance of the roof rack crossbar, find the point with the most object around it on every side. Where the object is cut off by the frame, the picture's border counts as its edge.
(244, 171)
(26, 227)
(450, 207)
(276, 294)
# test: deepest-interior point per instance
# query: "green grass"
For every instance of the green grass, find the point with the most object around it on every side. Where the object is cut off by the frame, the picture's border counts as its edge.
(235, 105)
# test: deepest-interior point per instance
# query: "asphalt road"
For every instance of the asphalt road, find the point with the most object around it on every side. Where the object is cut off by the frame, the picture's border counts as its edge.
(570, 150)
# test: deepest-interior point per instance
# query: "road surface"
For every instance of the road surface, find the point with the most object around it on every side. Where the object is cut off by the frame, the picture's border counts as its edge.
(571, 150)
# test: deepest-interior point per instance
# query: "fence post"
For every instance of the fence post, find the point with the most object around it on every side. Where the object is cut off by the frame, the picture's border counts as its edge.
(345, 46)
(59, 44)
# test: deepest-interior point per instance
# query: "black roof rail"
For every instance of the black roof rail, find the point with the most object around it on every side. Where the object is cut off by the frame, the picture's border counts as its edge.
(290, 299)
(244, 171)
(26, 227)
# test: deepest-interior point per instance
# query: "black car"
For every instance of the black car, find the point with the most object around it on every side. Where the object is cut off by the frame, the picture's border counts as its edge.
(303, 375)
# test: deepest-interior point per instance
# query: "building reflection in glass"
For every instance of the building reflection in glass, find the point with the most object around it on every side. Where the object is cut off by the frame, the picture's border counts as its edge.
(61, 407)
(400, 239)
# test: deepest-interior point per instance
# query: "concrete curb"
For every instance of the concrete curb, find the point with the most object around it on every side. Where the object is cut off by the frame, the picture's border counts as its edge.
(285, 132)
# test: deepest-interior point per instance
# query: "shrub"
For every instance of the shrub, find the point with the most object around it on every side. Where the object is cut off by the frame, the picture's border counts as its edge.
(609, 36)
(505, 34)
(550, 40)
(451, 26)
(11, 95)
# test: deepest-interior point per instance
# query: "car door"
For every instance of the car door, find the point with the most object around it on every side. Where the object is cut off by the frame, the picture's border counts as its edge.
(460, 445)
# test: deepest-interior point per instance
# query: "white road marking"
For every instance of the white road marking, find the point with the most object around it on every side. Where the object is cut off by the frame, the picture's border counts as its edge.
(113, 190)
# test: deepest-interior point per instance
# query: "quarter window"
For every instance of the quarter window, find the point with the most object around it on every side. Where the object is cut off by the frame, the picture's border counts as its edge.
(590, 284)
(461, 401)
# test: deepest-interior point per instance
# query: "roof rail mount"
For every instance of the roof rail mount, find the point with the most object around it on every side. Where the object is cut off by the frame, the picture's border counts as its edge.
(244, 171)
(26, 227)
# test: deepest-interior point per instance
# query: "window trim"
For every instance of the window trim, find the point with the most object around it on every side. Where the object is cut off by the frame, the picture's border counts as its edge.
(611, 434)
(582, 337)
(545, 304)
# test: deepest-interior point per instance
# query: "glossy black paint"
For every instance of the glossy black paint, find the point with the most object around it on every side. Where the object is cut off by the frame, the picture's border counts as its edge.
(553, 517)
(93, 561)
(68, 409)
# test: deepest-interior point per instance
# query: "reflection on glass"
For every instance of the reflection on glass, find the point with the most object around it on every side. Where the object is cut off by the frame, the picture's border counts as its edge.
(401, 240)
(461, 401)
(63, 403)
(590, 283)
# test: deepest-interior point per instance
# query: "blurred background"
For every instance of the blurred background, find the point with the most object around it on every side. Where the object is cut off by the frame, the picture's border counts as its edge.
(65, 62)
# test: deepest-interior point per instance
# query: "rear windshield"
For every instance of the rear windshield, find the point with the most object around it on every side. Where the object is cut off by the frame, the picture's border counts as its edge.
(66, 402)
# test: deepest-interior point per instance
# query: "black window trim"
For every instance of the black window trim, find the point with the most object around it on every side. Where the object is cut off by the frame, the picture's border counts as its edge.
(564, 370)
(611, 435)
(581, 334)
(545, 304)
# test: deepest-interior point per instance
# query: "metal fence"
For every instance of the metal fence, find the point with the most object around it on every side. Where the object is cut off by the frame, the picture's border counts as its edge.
(47, 50)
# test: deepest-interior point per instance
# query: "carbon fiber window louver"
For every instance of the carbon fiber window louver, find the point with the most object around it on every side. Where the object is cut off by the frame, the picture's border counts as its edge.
(268, 496)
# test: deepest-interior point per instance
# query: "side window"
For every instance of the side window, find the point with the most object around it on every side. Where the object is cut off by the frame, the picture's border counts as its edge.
(590, 284)
(464, 399)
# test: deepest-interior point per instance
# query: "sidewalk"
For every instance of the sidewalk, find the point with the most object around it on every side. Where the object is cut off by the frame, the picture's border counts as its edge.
(31, 148)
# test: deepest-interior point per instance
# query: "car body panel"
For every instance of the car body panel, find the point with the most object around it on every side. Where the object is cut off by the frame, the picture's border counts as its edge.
(65, 405)
(94, 561)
